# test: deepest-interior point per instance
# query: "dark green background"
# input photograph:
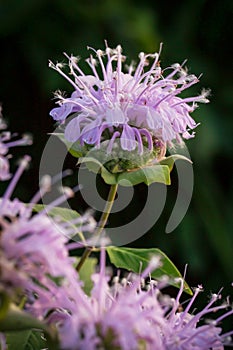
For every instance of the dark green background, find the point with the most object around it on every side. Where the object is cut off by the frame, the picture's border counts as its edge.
(33, 31)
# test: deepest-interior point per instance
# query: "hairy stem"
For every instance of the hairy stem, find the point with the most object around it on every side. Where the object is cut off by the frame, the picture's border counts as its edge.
(103, 220)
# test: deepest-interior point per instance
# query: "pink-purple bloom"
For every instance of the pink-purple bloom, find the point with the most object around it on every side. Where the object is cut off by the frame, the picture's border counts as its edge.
(128, 314)
(34, 249)
(139, 106)
(119, 314)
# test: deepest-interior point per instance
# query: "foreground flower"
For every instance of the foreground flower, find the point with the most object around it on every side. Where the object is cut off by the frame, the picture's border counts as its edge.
(141, 108)
(118, 314)
(129, 315)
(34, 250)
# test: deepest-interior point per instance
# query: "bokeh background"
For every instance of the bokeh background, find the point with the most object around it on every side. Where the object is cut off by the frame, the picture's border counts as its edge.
(33, 31)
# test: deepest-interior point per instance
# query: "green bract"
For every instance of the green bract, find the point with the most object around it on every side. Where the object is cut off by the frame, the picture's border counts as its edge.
(137, 259)
(148, 174)
(123, 167)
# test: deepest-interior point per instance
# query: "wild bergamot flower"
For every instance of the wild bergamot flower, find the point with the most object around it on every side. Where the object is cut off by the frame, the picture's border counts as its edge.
(139, 107)
(34, 248)
(128, 314)
(120, 314)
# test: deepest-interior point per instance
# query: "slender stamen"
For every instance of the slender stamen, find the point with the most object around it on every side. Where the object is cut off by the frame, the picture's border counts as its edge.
(191, 99)
(206, 310)
(176, 68)
(140, 67)
(87, 90)
(91, 62)
(72, 61)
(149, 73)
(119, 68)
(23, 165)
(219, 319)
(68, 193)
(55, 67)
(45, 187)
(24, 141)
(99, 54)
(197, 291)
(46, 184)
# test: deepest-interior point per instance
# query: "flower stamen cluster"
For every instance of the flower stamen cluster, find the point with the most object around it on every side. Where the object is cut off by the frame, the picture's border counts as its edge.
(127, 313)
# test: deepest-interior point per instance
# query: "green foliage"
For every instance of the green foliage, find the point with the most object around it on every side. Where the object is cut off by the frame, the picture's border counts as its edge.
(15, 319)
(137, 259)
(147, 174)
(63, 215)
(109, 338)
(4, 304)
(170, 160)
(27, 340)
(85, 273)
(21, 327)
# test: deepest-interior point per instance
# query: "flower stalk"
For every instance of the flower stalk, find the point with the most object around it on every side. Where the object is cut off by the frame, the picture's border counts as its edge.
(102, 223)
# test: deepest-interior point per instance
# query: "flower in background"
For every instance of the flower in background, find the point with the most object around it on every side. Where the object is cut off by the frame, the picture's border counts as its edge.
(128, 315)
(140, 107)
(7, 141)
(3, 345)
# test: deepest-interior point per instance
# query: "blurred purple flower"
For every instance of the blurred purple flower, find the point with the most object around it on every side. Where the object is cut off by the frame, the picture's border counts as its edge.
(7, 141)
(128, 315)
(3, 345)
(34, 250)
(122, 314)
(139, 107)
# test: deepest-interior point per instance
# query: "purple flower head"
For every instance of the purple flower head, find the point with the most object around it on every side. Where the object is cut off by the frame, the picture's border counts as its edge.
(127, 314)
(139, 106)
(112, 317)
(191, 330)
(34, 250)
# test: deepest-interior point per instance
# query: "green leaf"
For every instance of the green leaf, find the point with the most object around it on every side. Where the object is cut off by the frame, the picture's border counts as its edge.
(96, 167)
(85, 273)
(4, 304)
(147, 174)
(169, 161)
(137, 259)
(65, 215)
(15, 319)
(18, 321)
(26, 340)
